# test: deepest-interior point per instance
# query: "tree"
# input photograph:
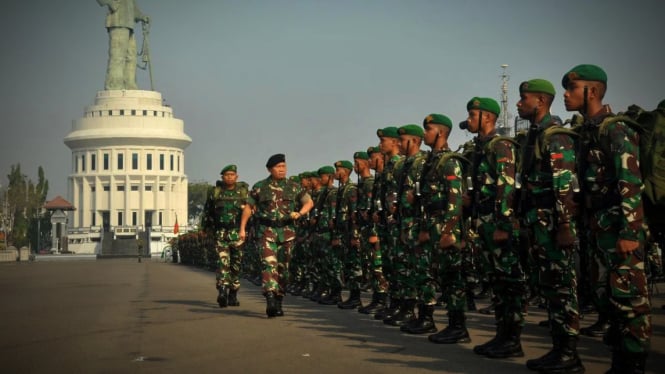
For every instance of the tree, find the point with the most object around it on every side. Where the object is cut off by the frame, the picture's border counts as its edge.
(22, 203)
(197, 195)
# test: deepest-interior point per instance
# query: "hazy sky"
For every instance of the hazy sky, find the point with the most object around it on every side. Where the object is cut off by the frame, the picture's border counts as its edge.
(310, 78)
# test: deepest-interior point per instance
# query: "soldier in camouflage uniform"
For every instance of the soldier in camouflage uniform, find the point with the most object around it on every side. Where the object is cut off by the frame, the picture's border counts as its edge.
(612, 188)
(491, 197)
(440, 237)
(297, 264)
(346, 238)
(277, 203)
(378, 280)
(227, 203)
(386, 214)
(548, 209)
(407, 253)
(323, 222)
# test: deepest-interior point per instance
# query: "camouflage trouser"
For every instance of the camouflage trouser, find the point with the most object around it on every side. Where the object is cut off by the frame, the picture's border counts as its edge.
(388, 236)
(275, 250)
(297, 264)
(228, 271)
(628, 305)
(406, 257)
(378, 280)
(229, 251)
(506, 277)
(556, 274)
(441, 268)
(319, 247)
(353, 273)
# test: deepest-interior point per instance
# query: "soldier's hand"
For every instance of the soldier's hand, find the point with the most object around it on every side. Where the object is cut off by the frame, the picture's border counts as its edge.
(410, 197)
(626, 247)
(373, 239)
(423, 237)
(500, 236)
(335, 242)
(564, 238)
(355, 243)
(295, 215)
(447, 241)
(242, 234)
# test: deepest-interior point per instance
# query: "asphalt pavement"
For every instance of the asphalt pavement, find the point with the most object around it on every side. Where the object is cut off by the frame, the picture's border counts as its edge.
(122, 316)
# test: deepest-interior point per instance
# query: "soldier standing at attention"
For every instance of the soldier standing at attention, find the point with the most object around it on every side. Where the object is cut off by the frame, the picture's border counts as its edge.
(346, 239)
(323, 225)
(491, 198)
(228, 201)
(441, 236)
(612, 188)
(277, 203)
(547, 177)
(385, 214)
(378, 280)
(408, 250)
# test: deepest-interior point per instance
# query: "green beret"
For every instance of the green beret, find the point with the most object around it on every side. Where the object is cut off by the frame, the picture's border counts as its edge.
(361, 155)
(539, 86)
(344, 164)
(412, 129)
(584, 72)
(326, 170)
(484, 103)
(374, 149)
(388, 132)
(661, 105)
(438, 119)
(295, 178)
(226, 168)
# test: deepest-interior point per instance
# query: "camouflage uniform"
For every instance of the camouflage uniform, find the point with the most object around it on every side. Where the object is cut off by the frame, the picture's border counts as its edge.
(492, 209)
(322, 241)
(547, 174)
(228, 205)
(345, 231)
(612, 188)
(274, 201)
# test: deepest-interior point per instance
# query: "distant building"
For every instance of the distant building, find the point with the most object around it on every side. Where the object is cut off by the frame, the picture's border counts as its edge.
(128, 176)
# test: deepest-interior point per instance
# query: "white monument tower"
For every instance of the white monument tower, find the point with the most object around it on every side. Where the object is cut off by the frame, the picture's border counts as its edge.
(128, 178)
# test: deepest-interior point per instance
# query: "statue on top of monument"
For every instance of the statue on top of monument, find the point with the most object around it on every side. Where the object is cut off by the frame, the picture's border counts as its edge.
(120, 20)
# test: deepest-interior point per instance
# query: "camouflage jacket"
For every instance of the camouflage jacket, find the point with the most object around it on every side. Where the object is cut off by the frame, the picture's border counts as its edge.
(324, 209)
(409, 174)
(494, 181)
(442, 192)
(612, 181)
(365, 202)
(274, 201)
(390, 188)
(548, 169)
(345, 208)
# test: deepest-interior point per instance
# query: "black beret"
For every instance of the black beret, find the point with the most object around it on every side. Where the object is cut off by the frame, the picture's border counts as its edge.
(275, 159)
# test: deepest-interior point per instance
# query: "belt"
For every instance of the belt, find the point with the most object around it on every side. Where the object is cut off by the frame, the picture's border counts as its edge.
(275, 223)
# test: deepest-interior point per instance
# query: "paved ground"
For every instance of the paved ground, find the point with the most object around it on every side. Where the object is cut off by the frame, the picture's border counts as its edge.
(120, 316)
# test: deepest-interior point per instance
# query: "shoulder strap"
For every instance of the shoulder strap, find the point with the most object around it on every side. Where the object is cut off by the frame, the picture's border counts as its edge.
(541, 146)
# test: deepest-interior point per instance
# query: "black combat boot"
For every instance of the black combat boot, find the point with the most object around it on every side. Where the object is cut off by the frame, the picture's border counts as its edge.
(390, 310)
(334, 297)
(599, 328)
(456, 331)
(352, 302)
(412, 323)
(485, 292)
(278, 301)
(509, 346)
(497, 339)
(223, 296)
(404, 314)
(319, 294)
(627, 363)
(425, 322)
(233, 298)
(374, 305)
(563, 357)
(271, 305)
